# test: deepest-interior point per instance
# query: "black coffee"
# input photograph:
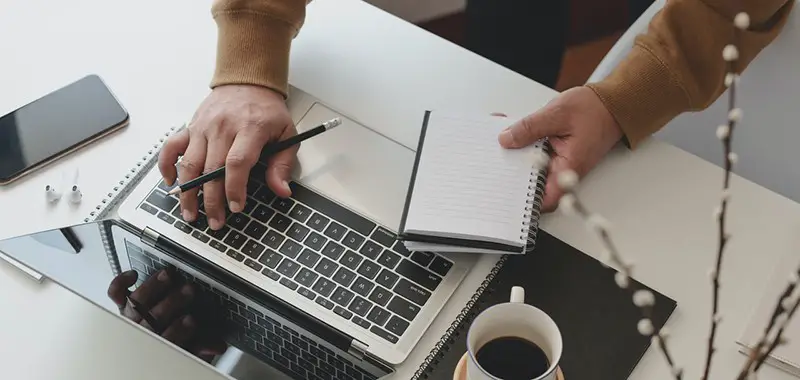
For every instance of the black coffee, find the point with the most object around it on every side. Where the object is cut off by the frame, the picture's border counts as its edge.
(512, 358)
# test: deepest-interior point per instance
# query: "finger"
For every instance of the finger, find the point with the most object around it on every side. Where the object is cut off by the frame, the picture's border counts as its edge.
(552, 192)
(153, 289)
(118, 289)
(180, 331)
(279, 168)
(171, 306)
(212, 348)
(190, 167)
(214, 191)
(174, 148)
(244, 153)
(526, 131)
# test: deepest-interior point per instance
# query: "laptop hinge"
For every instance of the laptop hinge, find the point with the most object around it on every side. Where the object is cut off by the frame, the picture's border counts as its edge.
(358, 349)
(149, 237)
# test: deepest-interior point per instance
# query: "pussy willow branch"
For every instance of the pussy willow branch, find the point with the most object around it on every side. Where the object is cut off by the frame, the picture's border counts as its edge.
(623, 277)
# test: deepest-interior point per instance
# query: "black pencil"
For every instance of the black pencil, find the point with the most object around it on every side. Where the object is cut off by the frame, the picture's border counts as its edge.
(269, 150)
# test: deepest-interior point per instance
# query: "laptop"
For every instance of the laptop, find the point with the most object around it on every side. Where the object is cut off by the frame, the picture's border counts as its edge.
(315, 286)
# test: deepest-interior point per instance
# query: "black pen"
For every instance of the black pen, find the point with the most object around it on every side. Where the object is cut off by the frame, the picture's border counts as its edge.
(269, 150)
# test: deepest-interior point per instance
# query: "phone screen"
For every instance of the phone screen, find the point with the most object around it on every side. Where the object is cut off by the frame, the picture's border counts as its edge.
(56, 123)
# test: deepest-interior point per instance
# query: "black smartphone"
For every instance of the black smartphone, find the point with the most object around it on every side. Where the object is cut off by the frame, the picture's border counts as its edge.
(57, 124)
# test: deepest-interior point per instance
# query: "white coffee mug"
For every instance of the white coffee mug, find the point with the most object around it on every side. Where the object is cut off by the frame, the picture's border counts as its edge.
(514, 319)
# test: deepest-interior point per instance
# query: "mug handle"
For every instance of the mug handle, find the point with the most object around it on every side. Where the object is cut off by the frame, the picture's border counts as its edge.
(517, 294)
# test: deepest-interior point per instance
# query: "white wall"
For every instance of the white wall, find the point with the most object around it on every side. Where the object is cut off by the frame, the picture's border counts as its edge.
(419, 10)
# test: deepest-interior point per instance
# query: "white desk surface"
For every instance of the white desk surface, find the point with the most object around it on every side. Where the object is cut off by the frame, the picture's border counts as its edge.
(158, 57)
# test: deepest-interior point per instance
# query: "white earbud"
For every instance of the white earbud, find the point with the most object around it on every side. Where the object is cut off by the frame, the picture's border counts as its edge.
(51, 193)
(75, 194)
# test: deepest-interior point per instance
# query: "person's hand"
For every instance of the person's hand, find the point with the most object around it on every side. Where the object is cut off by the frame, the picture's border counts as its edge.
(167, 300)
(230, 128)
(580, 129)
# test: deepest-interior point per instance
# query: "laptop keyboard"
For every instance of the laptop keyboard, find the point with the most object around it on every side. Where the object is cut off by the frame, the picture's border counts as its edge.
(342, 261)
(261, 336)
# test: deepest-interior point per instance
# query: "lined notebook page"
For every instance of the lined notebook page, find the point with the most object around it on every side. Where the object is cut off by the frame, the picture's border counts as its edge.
(466, 184)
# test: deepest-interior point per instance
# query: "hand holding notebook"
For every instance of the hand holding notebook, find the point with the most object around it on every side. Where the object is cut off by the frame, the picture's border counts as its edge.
(469, 194)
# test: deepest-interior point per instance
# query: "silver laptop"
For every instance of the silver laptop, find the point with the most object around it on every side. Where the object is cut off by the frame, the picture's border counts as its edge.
(315, 286)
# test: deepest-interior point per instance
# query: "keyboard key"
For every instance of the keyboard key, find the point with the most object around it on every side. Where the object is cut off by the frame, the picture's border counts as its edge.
(283, 204)
(253, 249)
(378, 316)
(220, 233)
(368, 269)
(264, 195)
(325, 303)
(360, 306)
(262, 213)
(324, 287)
(306, 293)
(440, 266)
(235, 239)
(330, 371)
(249, 205)
(371, 249)
(271, 274)
(403, 308)
(291, 248)
(362, 286)
(342, 312)
(308, 258)
(422, 258)
(353, 240)
(344, 277)
(298, 231)
(200, 236)
(238, 221)
(335, 231)
(380, 296)
(166, 217)
(351, 260)
(362, 323)
(162, 201)
(300, 213)
(288, 283)
(397, 326)
(332, 209)
(218, 246)
(255, 230)
(318, 222)
(150, 209)
(201, 223)
(258, 173)
(389, 259)
(273, 239)
(400, 248)
(163, 186)
(280, 222)
(253, 265)
(306, 277)
(342, 296)
(383, 236)
(288, 268)
(333, 250)
(316, 241)
(252, 186)
(327, 267)
(235, 255)
(270, 259)
(418, 274)
(413, 292)
(183, 227)
(387, 278)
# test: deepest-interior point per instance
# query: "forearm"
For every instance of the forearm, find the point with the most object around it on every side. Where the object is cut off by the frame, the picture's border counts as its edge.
(677, 66)
(254, 41)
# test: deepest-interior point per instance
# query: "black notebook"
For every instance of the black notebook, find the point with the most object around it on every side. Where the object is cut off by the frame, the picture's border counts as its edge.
(469, 194)
(597, 319)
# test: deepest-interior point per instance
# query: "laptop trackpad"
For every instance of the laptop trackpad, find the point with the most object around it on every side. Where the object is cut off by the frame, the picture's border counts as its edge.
(355, 166)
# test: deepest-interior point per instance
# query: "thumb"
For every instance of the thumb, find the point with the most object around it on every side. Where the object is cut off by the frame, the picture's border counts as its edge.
(530, 129)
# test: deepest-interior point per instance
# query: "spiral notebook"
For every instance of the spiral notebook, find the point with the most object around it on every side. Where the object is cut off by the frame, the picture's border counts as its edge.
(469, 194)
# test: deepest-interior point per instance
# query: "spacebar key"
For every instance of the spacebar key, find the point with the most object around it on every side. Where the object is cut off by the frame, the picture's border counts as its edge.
(333, 210)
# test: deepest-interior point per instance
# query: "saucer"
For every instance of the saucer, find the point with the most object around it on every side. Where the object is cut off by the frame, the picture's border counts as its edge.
(460, 372)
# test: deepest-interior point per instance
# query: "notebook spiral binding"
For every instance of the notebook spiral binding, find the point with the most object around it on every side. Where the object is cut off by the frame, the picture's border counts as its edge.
(118, 192)
(470, 309)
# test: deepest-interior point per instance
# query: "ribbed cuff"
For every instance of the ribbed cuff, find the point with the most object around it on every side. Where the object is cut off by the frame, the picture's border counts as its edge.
(642, 94)
(252, 48)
